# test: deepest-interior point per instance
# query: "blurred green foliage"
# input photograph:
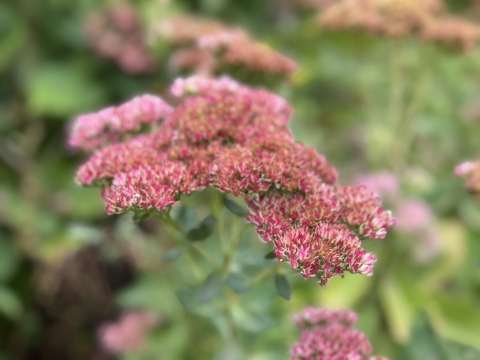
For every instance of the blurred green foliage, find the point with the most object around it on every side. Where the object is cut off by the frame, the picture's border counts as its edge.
(367, 103)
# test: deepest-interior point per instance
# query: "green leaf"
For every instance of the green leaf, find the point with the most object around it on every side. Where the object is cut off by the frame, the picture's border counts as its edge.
(62, 90)
(210, 287)
(202, 231)
(186, 296)
(172, 254)
(233, 207)
(460, 352)
(283, 287)
(13, 36)
(271, 255)
(8, 260)
(423, 343)
(399, 309)
(10, 306)
(238, 282)
(199, 233)
(252, 322)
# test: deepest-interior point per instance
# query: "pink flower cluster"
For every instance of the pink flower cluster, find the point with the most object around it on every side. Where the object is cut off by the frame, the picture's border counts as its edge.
(235, 47)
(208, 46)
(328, 335)
(414, 216)
(470, 172)
(115, 33)
(112, 124)
(129, 333)
(428, 20)
(234, 138)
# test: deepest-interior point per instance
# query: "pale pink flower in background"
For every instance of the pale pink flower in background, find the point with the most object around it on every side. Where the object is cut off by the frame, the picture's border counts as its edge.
(413, 215)
(127, 334)
(464, 168)
(382, 182)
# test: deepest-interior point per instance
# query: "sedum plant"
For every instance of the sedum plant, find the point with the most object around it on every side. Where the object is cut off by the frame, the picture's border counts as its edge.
(235, 139)
(223, 138)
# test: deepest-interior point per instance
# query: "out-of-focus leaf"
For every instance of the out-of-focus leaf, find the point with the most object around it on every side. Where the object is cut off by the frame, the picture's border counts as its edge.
(283, 287)
(210, 287)
(187, 297)
(233, 207)
(84, 234)
(8, 260)
(398, 308)
(10, 305)
(423, 343)
(150, 292)
(460, 352)
(344, 292)
(238, 282)
(172, 254)
(202, 231)
(252, 322)
(185, 216)
(199, 233)
(250, 257)
(62, 90)
(271, 255)
(13, 34)
(456, 318)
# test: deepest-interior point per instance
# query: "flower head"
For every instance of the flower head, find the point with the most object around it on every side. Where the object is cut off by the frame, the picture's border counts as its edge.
(115, 33)
(426, 19)
(470, 171)
(328, 335)
(112, 124)
(209, 46)
(128, 334)
(235, 139)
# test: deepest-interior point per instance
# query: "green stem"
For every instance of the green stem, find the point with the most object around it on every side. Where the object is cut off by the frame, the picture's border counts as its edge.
(266, 273)
(172, 226)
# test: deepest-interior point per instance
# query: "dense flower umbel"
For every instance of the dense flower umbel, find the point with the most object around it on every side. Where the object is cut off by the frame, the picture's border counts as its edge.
(234, 138)
(328, 335)
(110, 125)
(208, 46)
(426, 19)
(235, 47)
(115, 33)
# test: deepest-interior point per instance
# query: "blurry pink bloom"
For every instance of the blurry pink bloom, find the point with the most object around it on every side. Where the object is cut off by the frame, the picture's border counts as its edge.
(470, 171)
(383, 182)
(129, 333)
(115, 32)
(328, 335)
(464, 168)
(235, 139)
(413, 215)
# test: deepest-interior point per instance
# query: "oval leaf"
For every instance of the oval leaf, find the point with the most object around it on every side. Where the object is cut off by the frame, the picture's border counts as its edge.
(210, 287)
(283, 287)
(238, 282)
(199, 233)
(234, 208)
(271, 255)
(171, 254)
